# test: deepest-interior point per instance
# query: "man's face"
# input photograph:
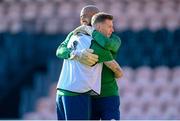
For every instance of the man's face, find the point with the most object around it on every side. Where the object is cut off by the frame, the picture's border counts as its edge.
(85, 18)
(106, 27)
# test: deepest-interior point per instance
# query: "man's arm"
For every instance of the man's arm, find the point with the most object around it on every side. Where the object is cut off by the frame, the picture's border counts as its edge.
(107, 58)
(114, 66)
(113, 43)
(62, 51)
(85, 56)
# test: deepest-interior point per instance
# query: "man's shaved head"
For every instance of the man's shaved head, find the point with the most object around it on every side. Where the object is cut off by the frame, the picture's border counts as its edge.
(86, 14)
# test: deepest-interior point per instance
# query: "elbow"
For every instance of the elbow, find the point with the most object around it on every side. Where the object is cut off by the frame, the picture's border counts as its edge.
(58, 53)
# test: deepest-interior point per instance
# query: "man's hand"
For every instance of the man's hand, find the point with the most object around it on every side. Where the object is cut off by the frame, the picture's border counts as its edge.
(84, 29)
(85, 56)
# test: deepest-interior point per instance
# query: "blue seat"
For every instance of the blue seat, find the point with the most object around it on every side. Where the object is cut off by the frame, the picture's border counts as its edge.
(2, 41)
(27, 101)
(176, 37)
(54, 69)
(3, 74)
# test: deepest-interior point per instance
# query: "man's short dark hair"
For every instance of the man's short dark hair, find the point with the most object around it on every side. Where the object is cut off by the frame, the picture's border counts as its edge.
(89, 9)
(100, 17)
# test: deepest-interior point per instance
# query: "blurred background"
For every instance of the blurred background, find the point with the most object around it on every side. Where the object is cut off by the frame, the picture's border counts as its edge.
(31, 31)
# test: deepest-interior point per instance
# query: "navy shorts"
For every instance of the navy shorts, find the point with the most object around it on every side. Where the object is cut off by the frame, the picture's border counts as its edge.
(105, 108)
(73, 107)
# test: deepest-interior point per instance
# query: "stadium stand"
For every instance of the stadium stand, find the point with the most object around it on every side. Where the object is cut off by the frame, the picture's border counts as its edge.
(30, 32)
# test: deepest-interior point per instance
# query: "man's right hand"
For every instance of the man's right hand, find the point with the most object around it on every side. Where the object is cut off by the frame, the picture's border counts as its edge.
(86, 57)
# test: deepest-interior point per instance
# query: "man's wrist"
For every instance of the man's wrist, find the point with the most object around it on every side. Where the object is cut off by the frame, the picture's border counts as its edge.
(74, 55)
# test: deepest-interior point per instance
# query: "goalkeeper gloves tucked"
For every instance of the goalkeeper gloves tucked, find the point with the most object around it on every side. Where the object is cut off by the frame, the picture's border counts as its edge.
(85, 56)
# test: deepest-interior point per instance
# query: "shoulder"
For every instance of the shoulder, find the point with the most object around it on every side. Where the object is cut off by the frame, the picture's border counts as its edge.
(83, 36)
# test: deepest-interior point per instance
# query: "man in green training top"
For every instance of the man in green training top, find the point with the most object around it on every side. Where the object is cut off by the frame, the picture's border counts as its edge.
(105, 106)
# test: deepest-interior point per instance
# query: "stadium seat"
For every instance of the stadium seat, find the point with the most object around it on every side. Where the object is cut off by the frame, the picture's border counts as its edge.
(31, 116)
(54, 69)
(46, 109)
(41, 84)
(171, 114)
(154, 113)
